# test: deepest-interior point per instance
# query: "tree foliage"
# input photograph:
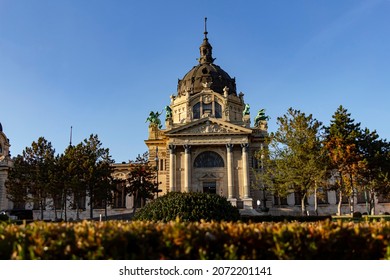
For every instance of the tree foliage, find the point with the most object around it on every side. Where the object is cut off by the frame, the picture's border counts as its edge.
(141, 182)
(30, 179)
(39, 177)
(294, 160)
(88, 170)
(342, 146)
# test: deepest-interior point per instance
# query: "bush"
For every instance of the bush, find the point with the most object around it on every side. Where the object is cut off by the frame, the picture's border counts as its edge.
(140, 240)
(357, 215)
(189, 207)
(3, 217)
(270, 218)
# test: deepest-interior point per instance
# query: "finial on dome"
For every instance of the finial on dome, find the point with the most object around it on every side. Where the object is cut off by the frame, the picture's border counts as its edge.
(205, 28)
(205, 47)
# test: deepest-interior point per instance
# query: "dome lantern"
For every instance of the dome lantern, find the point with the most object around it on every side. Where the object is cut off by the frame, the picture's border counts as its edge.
(206, 73)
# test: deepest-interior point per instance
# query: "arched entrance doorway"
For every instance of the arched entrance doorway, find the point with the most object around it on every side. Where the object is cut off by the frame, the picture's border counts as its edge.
(209, 160)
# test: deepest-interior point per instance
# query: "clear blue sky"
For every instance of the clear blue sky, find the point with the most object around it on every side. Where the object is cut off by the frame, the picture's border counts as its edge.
(102, 66)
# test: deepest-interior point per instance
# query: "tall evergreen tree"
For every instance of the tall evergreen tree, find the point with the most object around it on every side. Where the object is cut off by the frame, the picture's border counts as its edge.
(98, 173)
(374, 174)
(341, 144)
(18, 183)
(88, 166)
(32, 174)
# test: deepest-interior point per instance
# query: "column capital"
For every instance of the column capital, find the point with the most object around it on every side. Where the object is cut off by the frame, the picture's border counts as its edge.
(229, 147)
(172, 148)
(245, 147)
(187, 148)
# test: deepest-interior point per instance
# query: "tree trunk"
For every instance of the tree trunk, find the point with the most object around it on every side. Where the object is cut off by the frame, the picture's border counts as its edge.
(55, 212)
(339, 204)
(315, 201)
(41, 206)
(372, 203)
(77, 211)
(105, 209)
(91, 204)
(64, 205)
(352, 198)
(135, 202)
(303, 205)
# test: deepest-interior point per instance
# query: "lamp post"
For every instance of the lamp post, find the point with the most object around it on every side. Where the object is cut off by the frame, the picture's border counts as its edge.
(263, 207)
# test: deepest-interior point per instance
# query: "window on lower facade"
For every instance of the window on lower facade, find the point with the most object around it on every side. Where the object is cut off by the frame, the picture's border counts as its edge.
(322, 196)
(79, 201)
(298, 198)
(361, 197)
(383, 199)
(280, 201)
(58, 202)
(119, 197)
(345, 199)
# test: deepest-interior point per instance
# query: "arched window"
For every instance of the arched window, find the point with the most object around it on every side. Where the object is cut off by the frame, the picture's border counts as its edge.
(213, 108)
(196, 111)
(208, 160)
(1, 149)
(218, 110)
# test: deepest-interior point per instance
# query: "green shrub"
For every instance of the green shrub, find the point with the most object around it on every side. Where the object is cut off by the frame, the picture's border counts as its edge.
(177, 240)
(357, 215)
(188, 207)
(4, 217)
(270, 218)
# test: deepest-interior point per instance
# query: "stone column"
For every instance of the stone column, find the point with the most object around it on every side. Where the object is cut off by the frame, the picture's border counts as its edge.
(245, 173)
(245, 169)
(187, 167)
(172, 168)
(229, 148)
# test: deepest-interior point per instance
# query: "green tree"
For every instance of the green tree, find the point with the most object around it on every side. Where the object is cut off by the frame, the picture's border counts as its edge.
(88, 171)
(375, 171)
(142, 183)
(30, 178)
(294, 157)
(72, 164)
(56, 186)
(17, 184)
(40, 160)
(97, 174)
(345, 161)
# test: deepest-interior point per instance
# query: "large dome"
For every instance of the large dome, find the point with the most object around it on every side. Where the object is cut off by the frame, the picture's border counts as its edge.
(206, 72)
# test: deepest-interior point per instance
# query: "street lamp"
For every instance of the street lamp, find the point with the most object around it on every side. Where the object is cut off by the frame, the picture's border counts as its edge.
(263, 207)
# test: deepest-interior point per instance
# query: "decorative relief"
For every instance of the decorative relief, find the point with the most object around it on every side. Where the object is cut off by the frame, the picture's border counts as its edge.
(209, 128)
(207, 99)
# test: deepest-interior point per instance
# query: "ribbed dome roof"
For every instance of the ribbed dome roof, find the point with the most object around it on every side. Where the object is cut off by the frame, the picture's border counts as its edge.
(1, 127)
(206, 72)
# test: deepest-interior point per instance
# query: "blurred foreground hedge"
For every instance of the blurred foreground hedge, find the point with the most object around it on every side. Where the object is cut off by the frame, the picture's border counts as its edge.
(198, 240)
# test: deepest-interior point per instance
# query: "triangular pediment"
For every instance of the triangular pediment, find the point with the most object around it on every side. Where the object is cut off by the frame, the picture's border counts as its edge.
(208, 177)
(209, 126)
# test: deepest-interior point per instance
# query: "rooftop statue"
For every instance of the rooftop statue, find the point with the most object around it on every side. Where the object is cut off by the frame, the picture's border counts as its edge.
(261, 117)
(168, 111)
(246, 109)
(154, 119)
